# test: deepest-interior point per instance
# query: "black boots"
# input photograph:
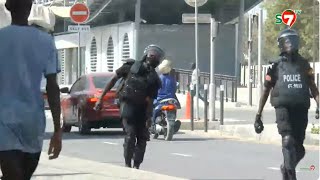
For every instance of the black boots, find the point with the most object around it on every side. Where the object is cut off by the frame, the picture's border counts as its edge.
(287, 174)
(284, 172)
(136, 165)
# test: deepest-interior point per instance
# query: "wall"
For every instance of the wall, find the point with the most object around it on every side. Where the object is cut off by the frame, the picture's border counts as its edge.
(179, 43)
(69, 42)
(176, 40)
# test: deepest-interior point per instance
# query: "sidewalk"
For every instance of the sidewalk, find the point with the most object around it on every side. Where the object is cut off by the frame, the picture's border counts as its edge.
(68, 168)
(269, 135)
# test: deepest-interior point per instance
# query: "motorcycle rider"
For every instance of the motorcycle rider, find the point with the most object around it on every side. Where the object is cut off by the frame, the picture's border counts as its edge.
(136, 101)
(290, 76)
(168, 90)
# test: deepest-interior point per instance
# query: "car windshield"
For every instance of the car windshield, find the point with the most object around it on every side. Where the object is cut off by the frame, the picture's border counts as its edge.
(101, 82)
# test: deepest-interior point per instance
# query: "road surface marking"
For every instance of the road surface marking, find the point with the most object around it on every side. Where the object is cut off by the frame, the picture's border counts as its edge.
(184, 155)
(233, 120)
(111, 143)
(225, 120)
(278, 169)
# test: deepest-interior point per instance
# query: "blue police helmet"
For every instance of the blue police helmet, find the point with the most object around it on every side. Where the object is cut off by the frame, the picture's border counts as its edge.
(154, 54)
(288, 41)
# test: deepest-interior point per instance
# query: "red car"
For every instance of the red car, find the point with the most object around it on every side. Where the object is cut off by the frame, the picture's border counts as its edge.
(77, 106)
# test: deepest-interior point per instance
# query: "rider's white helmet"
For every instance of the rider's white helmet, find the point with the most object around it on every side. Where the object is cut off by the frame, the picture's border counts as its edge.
(165, 67)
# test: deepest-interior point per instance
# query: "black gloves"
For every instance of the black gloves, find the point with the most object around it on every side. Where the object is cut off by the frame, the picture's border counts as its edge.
(258, 125)
(317, 113)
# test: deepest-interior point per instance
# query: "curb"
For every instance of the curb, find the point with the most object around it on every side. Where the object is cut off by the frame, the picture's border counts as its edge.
(269, 135)
(75, 168)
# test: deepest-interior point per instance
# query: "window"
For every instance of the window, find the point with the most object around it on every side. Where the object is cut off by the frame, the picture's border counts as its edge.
(126, 47)
(110, 55)
(61, 75)
(75, 87)
(100, 82)
(93, 54)
(79, 85)
(82, 84)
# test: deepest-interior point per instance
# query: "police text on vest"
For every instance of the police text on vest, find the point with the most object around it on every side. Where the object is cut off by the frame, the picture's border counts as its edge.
(294, 80)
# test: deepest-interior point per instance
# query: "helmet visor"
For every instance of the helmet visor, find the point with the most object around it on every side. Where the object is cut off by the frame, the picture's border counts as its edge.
(289, 44)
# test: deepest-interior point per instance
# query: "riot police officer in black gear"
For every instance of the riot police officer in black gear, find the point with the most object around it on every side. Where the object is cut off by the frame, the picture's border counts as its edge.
(290, 78)
(136, 101)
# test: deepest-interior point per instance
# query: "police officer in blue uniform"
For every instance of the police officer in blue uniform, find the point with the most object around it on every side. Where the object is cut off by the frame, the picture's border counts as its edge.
(291, 79)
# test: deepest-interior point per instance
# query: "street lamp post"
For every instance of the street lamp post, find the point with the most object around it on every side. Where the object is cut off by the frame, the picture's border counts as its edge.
(196, 4)
(260, 24)
(249, 60)
(137, 27)
(212, 88)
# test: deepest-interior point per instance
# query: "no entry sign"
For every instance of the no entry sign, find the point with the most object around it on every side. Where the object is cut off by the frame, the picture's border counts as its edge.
(79, 13)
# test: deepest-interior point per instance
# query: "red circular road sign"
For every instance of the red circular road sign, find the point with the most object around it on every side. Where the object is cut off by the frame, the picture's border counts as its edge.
(79, 13)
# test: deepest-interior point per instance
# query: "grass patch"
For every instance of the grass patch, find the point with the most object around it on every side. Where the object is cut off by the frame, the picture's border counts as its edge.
(314, 129)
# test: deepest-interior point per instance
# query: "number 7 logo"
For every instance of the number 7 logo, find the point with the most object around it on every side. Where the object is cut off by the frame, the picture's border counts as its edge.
(289, 17)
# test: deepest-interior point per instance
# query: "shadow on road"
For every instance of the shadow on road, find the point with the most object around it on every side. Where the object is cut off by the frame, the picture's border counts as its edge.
(91, 135)
(60, 174)
(196, 139)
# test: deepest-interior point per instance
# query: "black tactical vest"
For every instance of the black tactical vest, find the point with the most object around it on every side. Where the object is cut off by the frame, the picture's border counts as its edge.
(291, 88)
(135, 88)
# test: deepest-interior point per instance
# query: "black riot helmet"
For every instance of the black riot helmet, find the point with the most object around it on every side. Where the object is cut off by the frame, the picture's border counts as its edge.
(288, 41)
(154, 55)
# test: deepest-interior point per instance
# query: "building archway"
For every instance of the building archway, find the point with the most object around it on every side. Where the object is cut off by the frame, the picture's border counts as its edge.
(125, 47)
(93, 55)
(110, 55)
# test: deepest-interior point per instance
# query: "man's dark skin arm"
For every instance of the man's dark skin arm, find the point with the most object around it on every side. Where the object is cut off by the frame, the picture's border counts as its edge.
(263, 99)
(53, 92)
(108, 87)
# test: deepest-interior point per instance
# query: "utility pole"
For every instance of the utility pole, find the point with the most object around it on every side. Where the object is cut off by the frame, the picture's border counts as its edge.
(212, 88)
(314, 34)
(249, 60)
(197, 58)
(137, 22)
(240, 38)
(260, 30)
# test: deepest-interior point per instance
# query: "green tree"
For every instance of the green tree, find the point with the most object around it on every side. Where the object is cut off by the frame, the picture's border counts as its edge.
(304, 25)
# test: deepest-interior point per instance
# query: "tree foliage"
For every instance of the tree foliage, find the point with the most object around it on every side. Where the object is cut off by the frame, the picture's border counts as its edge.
(304, 25)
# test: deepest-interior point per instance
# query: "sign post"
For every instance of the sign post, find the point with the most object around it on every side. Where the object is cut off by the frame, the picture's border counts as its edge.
(79, 14)
(196, 4)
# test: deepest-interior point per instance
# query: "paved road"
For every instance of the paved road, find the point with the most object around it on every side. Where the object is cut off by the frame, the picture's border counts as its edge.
(246, 116)
(189, 156)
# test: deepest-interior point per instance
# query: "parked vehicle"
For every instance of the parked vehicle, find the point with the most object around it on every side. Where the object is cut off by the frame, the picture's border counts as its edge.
(166, 123)
(77, 106)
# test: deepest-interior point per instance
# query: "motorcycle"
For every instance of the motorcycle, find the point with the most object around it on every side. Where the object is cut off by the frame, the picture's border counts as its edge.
(166, 123)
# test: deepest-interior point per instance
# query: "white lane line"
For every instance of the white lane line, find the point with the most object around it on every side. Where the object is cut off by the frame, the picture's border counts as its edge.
(179, 154)
(274, 168)
(226, 120)
(278, 169)
(233, 120)
(110, 143)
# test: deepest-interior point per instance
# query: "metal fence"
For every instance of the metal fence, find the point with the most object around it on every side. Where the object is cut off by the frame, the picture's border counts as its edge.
(184, 78)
